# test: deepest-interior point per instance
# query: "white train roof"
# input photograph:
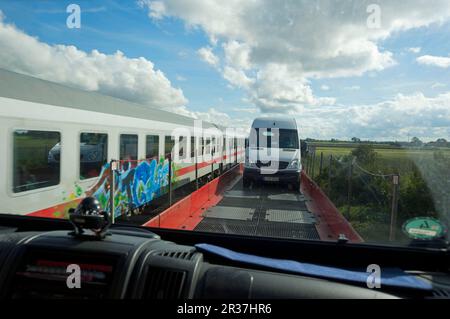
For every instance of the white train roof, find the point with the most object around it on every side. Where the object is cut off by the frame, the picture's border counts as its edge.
(27, 88)
(280, 122)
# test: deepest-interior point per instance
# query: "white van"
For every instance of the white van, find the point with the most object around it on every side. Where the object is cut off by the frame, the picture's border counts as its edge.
(273, 153)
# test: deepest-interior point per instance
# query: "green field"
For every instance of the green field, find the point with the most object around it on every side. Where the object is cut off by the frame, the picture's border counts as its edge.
(389, 160)
(424, 184)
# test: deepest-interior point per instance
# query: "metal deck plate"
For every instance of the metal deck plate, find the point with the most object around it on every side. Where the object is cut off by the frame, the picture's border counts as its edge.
(287, 230)
(284, 205)
(240, 202)
(287, 197)
(227, 226)
(265, 210)
(290, 216)
(263, 229)
(234, 213)
(241, 194)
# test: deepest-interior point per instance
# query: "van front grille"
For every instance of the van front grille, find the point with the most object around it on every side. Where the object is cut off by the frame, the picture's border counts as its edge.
(273, 164)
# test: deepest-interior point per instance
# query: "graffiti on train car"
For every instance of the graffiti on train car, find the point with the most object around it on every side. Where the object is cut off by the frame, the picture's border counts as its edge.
(136, 184)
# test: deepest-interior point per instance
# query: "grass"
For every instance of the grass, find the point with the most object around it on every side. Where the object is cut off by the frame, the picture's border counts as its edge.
(389, 160)
(371, 215)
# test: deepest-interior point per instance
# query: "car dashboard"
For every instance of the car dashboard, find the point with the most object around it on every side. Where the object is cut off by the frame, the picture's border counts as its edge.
(139, 264)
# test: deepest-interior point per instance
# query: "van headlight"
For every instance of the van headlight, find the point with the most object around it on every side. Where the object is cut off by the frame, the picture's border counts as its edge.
(295, 164)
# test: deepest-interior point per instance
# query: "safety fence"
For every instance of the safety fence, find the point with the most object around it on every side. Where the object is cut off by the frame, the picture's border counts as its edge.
(367, 198)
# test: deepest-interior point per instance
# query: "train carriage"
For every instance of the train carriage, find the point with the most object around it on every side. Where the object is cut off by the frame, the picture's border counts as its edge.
(59, 143)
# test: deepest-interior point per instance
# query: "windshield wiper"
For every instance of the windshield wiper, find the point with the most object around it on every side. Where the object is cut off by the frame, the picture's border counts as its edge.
(432, 244)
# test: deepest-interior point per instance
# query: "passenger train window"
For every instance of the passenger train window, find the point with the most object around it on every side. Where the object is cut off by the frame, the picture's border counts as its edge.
(192, 146)
(207, 146)
(168, 145)
(93, 154)
(152, 146)
(182, 145)
(202, 143)
(37, 159)
(128, 147)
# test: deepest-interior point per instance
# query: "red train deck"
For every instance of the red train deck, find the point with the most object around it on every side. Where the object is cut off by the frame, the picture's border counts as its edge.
(225, 206)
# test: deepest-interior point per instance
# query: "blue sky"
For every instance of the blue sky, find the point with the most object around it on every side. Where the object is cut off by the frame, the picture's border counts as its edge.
(322, 100)
(124, 26)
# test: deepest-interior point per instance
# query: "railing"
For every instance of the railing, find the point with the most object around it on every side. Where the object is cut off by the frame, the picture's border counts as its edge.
(366, 198)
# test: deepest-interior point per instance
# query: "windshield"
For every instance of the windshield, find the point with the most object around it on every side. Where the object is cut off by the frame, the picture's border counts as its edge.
(288, 139)
(274, 138)
(146, 104)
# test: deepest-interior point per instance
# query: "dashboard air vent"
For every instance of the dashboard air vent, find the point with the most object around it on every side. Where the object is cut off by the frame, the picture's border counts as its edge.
(185, 255)
(441, 293)
(164, 284)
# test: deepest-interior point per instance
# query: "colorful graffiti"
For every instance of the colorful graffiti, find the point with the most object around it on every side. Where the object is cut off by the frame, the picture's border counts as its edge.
(136, 184)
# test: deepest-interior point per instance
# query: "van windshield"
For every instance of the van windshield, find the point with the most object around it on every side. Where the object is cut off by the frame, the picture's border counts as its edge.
(274, 138)
(288, 139)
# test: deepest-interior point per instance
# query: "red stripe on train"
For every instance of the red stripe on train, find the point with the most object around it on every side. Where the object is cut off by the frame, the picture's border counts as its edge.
(60, 211)
(190, 169)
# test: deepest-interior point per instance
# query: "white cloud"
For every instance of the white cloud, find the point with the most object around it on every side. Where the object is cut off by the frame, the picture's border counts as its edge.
(353, 88)
(251, 110)
(182, 54)
(415, 114)
(207, 55)
(212, 115)
(237, 54)
(304, 41)
(133, 79)
(415, 50)
(180, 78)
(438, 61)
(157, 9)
(325, 88)
(279, 89)
(438, 85)
(237, 77)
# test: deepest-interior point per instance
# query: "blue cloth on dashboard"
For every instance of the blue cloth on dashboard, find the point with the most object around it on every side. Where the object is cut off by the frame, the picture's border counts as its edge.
(394, 277)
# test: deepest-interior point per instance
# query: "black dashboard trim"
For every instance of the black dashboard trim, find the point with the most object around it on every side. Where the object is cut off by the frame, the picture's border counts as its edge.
(323, 252)
(141, 248)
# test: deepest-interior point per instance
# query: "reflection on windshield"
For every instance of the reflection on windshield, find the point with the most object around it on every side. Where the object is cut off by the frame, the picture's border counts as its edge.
(288, 139)
(378, 186)
(120, 120)
(274, 138)
(36, 160)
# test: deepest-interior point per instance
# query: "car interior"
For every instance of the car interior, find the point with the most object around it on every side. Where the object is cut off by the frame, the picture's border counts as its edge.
(140, 263)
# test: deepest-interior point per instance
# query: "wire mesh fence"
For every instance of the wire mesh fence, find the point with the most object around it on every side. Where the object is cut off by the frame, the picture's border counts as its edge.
(376, 198)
